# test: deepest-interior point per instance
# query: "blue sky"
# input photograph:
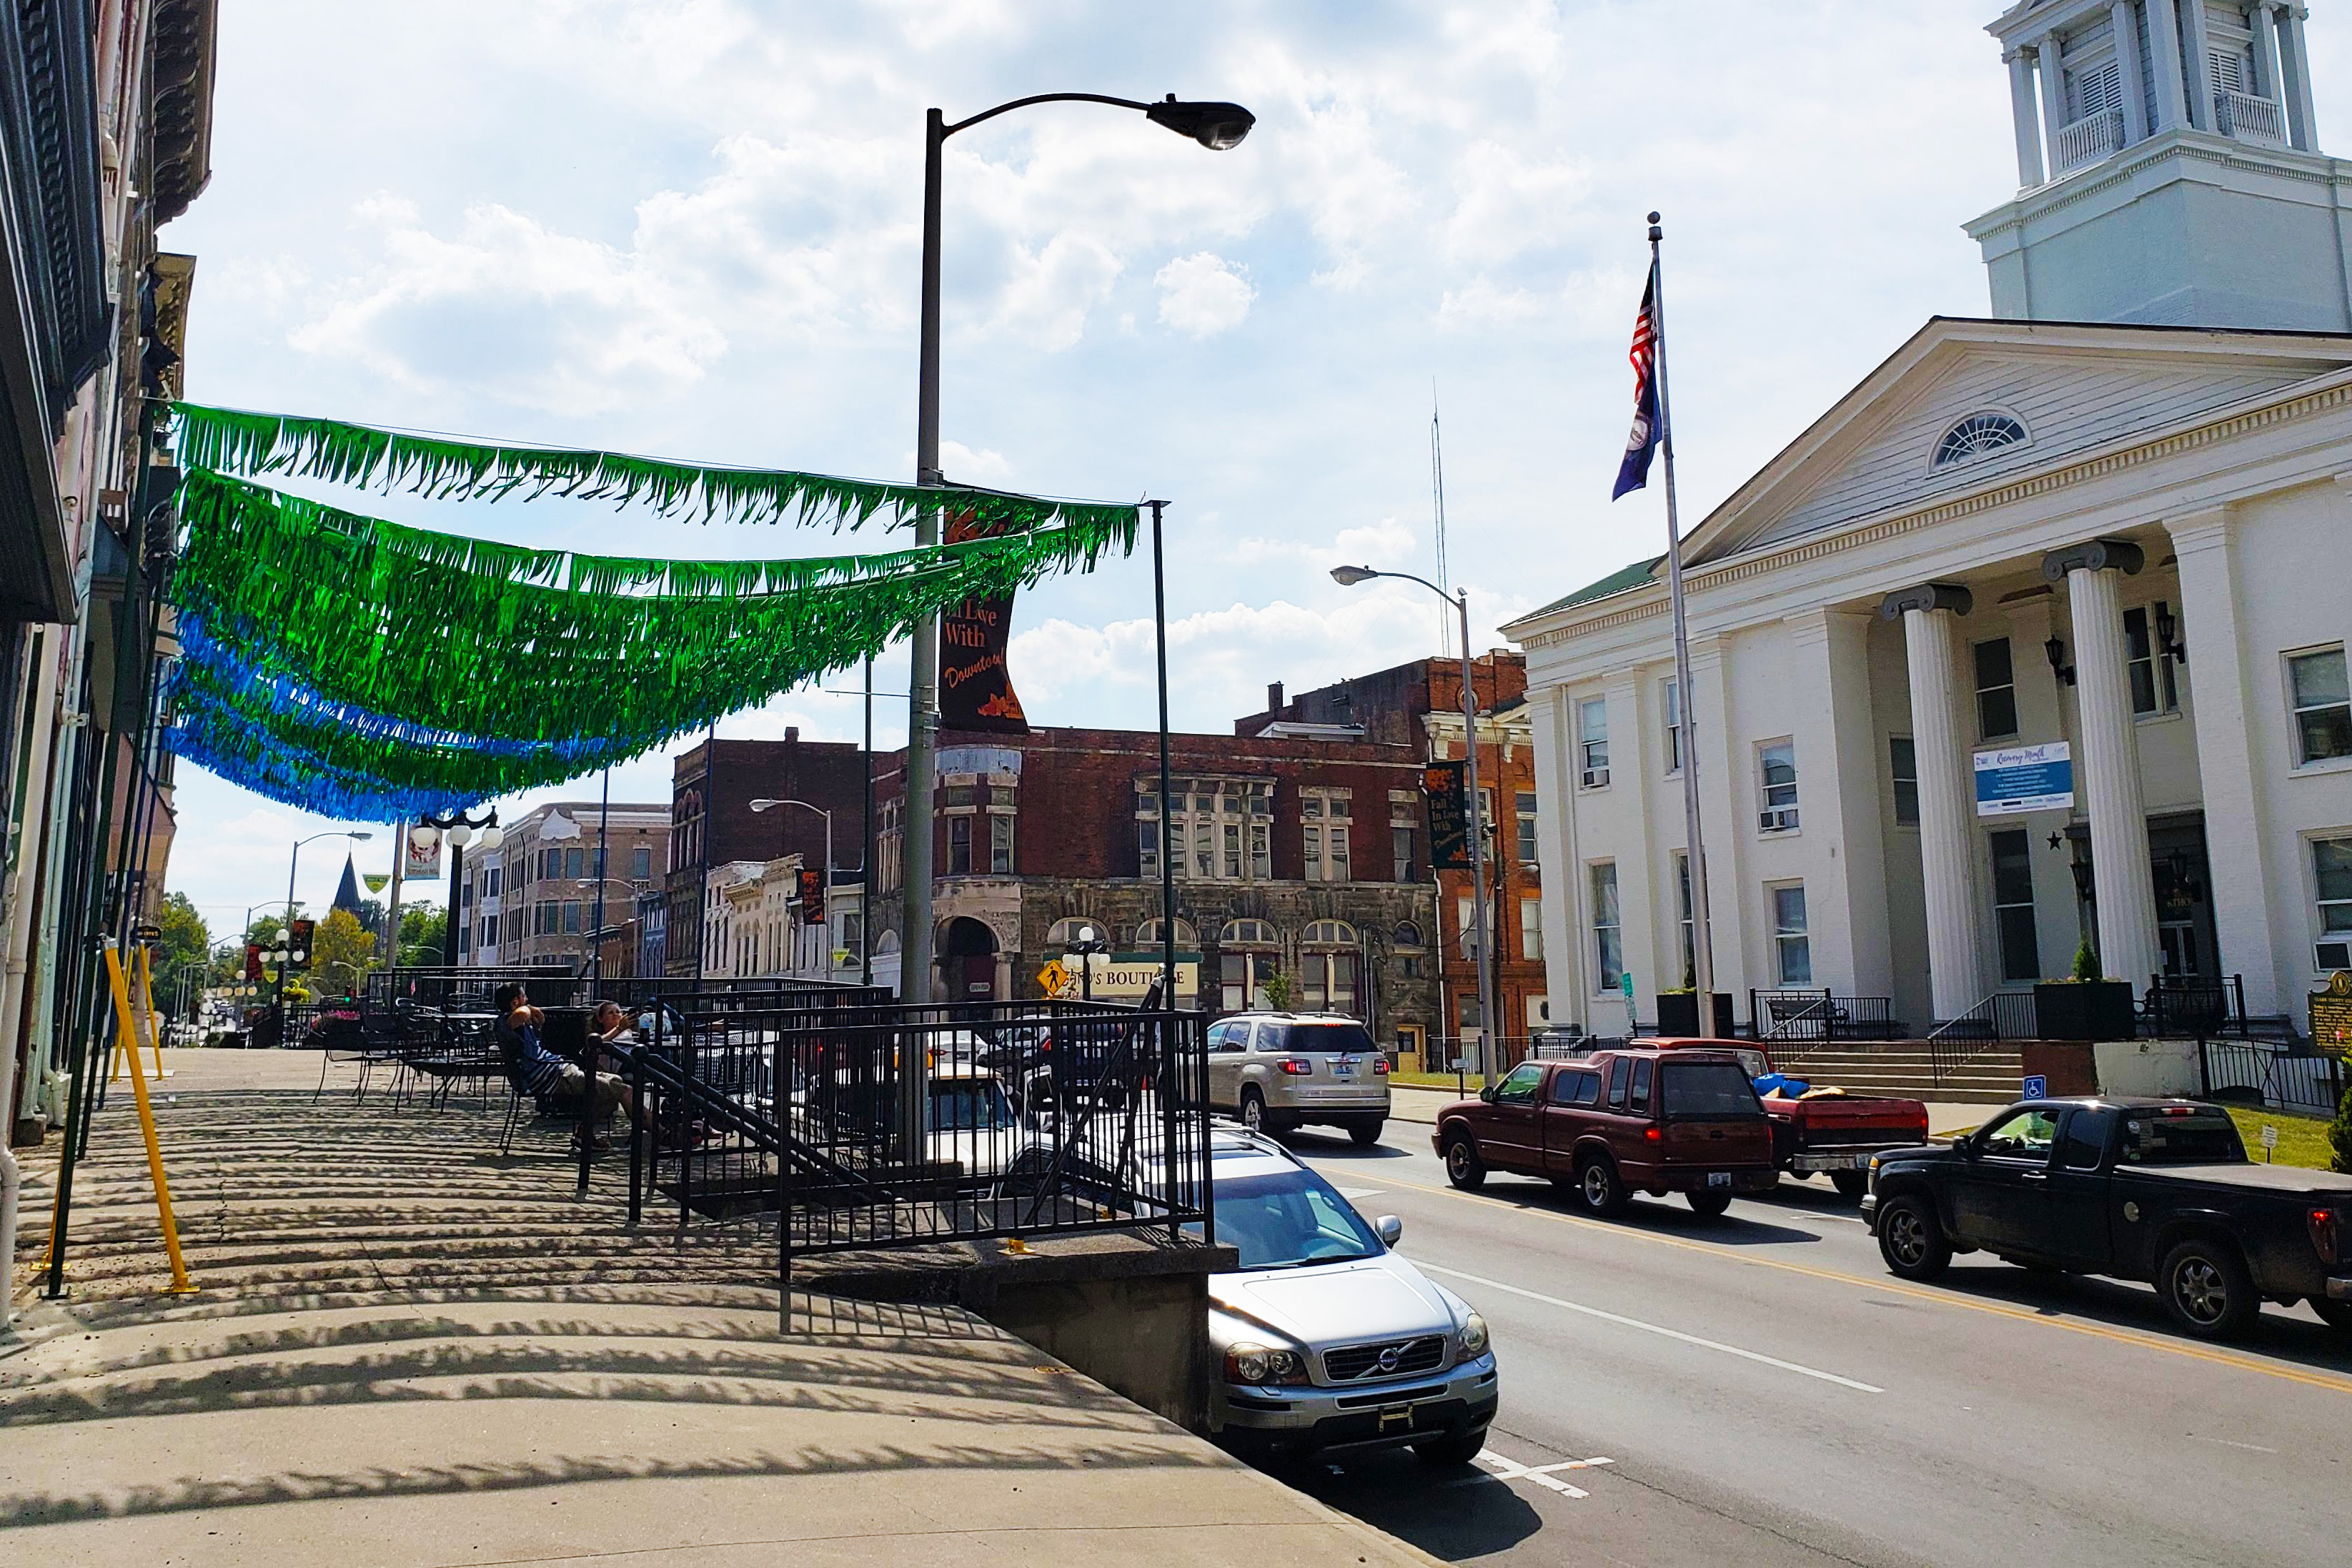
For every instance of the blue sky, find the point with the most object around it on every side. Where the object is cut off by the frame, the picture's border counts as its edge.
(689, 227)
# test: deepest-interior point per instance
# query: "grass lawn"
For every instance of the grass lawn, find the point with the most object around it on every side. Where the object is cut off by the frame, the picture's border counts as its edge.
(2302, 1139)
(1434, 1080)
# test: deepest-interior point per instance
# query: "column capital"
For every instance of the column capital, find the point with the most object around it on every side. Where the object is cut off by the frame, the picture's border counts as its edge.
(1928, 597)
(2094, 556)
(2199, 530)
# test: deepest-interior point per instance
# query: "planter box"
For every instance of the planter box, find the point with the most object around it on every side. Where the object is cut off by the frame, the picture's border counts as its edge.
(1678, 1016)
(2084, 1010)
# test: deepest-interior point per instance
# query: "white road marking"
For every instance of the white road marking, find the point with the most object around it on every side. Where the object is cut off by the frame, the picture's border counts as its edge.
(1655, 1329)
(2250, 1448)
(1512, 1471)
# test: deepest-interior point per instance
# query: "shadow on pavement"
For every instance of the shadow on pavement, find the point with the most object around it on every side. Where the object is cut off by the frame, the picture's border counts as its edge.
(2114, 1303)
(1662, 1216)
(1454, 1514)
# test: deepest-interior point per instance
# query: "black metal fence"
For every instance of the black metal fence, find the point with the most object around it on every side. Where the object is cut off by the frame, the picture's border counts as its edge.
(1821, 1015)
(2251, 1072)
(868, 1125)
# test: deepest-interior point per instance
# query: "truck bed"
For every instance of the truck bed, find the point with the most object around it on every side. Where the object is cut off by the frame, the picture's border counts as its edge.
(2268, 1177)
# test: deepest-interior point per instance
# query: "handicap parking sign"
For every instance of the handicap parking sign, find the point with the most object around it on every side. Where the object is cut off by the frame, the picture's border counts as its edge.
(2037, 1087)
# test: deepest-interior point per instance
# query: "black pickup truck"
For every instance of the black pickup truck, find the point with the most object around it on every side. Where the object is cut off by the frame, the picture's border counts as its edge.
(2157, 1190)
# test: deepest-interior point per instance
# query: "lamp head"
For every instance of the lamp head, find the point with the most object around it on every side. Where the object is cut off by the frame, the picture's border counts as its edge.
(360, 835)
(764, 804)
(424, 835)
(460, 835)
(493, 836)
(1217, 126)
(1348, 576)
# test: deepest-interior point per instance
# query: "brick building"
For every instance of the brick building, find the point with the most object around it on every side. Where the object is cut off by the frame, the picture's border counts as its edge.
(1286, 864)
(533, 899)
(1418, 706)
(712, 824)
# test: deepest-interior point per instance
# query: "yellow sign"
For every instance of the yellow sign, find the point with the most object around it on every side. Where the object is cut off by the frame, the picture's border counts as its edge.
(1055, 980)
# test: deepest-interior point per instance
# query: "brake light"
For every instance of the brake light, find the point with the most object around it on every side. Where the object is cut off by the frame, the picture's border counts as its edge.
(2324, 1235)
(1380, 1067)
(1652, 1134)
(1296, 1067)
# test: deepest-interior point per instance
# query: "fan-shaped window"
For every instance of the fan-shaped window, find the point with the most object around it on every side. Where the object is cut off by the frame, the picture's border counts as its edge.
(1247, 933)
(1329, 933)
(885, 944)
(1977, 436)
(1064, 933)
(1408, 934)
(1148, 934)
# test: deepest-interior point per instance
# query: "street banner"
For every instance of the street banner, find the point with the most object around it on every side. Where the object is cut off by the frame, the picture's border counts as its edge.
(423, 859)
(812, 897)
(377, 882)
(1449, 814)
(304, 942)
(2013, 780)
(253, 961)
(975, 689)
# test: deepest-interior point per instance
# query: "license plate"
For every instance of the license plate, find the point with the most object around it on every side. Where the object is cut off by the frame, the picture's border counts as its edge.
(1719, 1178)
(1396, 1417)
(1343, 1069)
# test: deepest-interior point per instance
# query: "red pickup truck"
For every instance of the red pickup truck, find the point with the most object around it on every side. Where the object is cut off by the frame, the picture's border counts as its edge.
(1834, 1134)
(1636, 1119)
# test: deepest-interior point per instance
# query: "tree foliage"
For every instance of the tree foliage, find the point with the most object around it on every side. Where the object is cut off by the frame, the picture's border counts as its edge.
(344, 952)
(185, 946)
(423, 927)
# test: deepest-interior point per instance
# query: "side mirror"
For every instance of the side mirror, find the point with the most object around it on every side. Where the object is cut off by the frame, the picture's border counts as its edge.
(1965, 1146)
(1487, 1094)
(1389, 1229)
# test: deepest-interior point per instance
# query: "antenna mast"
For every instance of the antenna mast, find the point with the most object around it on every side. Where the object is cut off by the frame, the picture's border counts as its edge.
(1437, 510)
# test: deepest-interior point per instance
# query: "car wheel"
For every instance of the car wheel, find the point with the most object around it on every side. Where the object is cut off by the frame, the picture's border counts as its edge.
(1253, 1110)
(1598, 1184)
(1463, 1166)
(1911, 1241)
(1448, 1452)
(1364, 1134)
(1850, 1184)
(2336, 1315)
(2206, 1289)
(1709, 1206)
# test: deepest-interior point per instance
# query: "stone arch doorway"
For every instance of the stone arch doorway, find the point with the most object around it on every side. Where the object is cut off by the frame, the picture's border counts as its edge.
(967, 961)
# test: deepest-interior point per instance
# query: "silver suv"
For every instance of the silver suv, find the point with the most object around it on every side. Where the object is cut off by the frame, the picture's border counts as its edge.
(1280, 1070)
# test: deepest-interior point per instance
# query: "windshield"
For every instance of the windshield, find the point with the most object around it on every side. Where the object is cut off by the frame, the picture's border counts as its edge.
(1707, 1088)
(1323, 1037)
(1289, 1220)
(2201, 1139)
(976, 1105)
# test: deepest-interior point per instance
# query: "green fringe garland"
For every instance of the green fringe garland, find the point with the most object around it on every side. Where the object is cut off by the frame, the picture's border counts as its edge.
(231, 440)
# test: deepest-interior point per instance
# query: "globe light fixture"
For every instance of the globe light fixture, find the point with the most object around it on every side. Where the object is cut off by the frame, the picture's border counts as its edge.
(493, 836)
(425, 837)
(460, 835)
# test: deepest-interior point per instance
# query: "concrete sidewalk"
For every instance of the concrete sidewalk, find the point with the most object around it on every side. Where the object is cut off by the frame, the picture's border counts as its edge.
(409, 1351)
(1423, 1104)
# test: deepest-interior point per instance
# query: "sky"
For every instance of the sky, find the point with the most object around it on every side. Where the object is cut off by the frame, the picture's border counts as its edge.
(690, 228)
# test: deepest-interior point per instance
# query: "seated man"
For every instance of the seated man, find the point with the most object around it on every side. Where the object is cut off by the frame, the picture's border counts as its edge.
(541, 1074)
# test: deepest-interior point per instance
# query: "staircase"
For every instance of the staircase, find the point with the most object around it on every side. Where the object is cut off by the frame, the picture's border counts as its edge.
(1988, 1075)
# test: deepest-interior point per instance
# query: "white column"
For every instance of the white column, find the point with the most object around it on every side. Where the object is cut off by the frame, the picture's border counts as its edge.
(1727, 818)
(1644, 899)
(2234, 838)
(2054, 96)
(2125, 19)
(2027, 122)
(2107, 774)
(1838, 771)
(1565, 891)
(2294, 75)
(2197, 50)
(2266, 56)
(1948, 836)
(2164, 59)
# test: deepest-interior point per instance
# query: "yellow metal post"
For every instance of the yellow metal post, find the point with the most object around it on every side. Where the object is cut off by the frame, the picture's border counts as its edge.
(180, 1284)
(154, 1019)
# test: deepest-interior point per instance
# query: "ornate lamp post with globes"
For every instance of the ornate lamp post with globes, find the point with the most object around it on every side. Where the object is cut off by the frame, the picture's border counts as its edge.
(459, 828)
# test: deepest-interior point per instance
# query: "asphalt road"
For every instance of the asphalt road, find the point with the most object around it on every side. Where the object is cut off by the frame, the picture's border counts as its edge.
(1756, 1390)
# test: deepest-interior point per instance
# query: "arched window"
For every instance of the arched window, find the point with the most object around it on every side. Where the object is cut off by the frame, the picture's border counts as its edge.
(1148, 934)
(1248, 933)
(1329, 933)
(1977, 435)
(1408, 934)
(1064, 933)
(1327, 967)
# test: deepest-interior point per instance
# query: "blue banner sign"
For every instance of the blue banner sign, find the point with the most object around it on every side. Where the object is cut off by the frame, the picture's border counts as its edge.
(2015, 779)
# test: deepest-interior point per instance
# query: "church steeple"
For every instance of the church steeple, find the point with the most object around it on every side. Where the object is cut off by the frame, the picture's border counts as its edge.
(2169, 168)
(347, 893)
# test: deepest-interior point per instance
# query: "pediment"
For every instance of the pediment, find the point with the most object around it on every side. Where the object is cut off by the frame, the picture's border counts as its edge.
(2069, 389)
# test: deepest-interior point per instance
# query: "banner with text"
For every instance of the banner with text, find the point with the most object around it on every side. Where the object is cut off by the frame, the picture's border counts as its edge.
(975, 689)
(1449, 814)
(2013, 780)
(421, 860)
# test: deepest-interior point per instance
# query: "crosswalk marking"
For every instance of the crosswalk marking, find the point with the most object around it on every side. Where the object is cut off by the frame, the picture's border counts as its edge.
(1542, 1474)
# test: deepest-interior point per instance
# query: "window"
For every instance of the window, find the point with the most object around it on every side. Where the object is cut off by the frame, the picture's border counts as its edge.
(1608, 937)
(1775, 762)
(1792, 950)
(1327, 964)
(1903, 760)
(1148, 934)
(1325, 834)
(570, 917)
(1520, 1086)
(1640, 1100)
(1408, 934)
(576, 863)
(1690, 939)
(489, 931)
(1996, 691)
(1620, 1071)
(1000, 844)
(1401, 853)
(1575, 1086)
(2098, 90)
(2022, 1135)
(2331, 865)
(1593, 734)
(641, 863)
(1466, 1010)
(1671, 698)
(2085, 1138)
(2149, 667)
(1218, 829)
(2012, 905)
(1524, 804)
(960, 846)
(1146, 847)
(2323, 704)
(1975, 436)
(1065, 932)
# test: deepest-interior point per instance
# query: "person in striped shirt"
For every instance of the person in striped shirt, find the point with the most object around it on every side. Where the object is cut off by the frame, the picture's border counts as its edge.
(541, 1074)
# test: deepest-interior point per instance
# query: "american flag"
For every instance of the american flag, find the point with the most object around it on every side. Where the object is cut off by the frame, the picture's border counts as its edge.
(1633, 473)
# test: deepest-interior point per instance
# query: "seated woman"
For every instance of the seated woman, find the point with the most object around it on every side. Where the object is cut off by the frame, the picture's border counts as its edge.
(547, 1078)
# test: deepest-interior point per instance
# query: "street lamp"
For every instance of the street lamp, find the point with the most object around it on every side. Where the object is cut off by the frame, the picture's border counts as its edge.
(356, 835)
(804, 806)
(1348, 577)
(1217, 126)
(459, 830)
(1089, 942)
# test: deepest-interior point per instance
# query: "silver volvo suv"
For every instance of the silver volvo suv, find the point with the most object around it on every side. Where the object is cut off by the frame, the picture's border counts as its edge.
(1275, 1071)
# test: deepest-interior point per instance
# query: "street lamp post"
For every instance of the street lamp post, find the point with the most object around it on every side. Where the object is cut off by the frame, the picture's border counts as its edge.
(804, 806)
(458, 828)
(1217, 126)
(286, 936)
(1348, 577)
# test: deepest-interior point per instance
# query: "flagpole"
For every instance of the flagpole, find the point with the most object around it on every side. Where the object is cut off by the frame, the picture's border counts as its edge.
(1702, 933)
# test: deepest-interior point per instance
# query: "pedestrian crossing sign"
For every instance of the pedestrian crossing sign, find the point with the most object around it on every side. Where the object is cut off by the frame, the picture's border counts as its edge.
(1054, 979)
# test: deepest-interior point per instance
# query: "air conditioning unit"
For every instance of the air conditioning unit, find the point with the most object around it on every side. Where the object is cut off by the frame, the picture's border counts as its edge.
(1781, 819)
(1595, 777)
(2331, 956)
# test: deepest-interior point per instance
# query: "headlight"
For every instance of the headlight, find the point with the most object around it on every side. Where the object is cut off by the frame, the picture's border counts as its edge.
(1258, 1363)
(1473, 1335)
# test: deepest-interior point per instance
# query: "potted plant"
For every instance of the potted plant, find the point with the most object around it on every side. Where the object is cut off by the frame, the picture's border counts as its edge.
(2084, 1006)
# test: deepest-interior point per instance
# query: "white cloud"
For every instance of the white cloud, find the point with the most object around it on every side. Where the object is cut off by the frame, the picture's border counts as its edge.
(1051, 292)
(1203, 294)
(1508, 204)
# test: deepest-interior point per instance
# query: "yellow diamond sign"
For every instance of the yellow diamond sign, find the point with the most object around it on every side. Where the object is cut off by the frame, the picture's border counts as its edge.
(1054, 979)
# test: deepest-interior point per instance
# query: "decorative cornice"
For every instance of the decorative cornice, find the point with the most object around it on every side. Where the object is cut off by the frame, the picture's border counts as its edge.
(2069, 190)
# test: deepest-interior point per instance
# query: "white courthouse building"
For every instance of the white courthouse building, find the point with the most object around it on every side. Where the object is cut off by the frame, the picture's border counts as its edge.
(2118, 517)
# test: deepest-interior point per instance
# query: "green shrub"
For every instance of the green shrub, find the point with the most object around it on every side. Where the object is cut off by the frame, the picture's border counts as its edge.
(2087, 963)
(2339, 1134)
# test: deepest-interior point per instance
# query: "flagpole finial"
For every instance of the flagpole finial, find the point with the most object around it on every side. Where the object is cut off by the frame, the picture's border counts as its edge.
(1656, 233)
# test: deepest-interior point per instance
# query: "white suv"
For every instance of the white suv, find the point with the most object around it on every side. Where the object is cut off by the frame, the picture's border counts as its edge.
(1275, 1071)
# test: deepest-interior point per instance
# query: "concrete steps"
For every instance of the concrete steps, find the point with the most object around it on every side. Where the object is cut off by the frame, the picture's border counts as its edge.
(1991, 1076)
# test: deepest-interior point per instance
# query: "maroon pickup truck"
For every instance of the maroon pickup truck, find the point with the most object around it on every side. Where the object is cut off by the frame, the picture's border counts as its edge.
(1834, 1134)
(1617, 1123)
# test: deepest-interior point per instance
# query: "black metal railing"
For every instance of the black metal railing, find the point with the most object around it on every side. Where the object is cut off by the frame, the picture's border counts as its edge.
(2173, 1008)
(2252, 1072)
(2002, 1018)
(1794, 1016)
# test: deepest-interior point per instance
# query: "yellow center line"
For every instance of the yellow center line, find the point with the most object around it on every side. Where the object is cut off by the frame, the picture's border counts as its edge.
(1939, 1297)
